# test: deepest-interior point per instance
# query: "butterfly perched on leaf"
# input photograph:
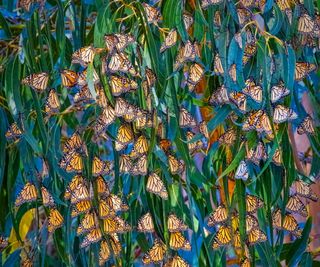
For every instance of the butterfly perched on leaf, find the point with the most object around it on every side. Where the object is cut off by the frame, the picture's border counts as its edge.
(306, 126)
(145, 223)
(190, 51)
(255, 236)
(242, 171)
(176, 166)
(52, 104)
(253, 203)
(295, 205)
(106, 209)
(115, 244)
(259, 121)
(47, 198)
(100, 167)
(156, 186)
(119, 62)
(140, 147)
(195, 74)
(228, 138)
(175, 224)
(152, 13)
(84, 56)
(178, 241)
(125, 163)
(102, 186)
(306, 24)
(169, 41)
(28, 194)
(83, 96)
(278, 91)
(244, 16)
(156, 253)
(37, 81)
(220, 96)
(118, 41)
(83, 78)
(88, 223)
(176, 261)
(277, 157)
(219, 215)
(253, 90)
(187, 20)
(222, 237)
(80, 207)
(104, 252)
(217, 67)
(302, 69)
(55, 220)
(106, 118)
(288, 222)
(116, 203)
(140, 167)
(257, 154)
(186, 119)
(80, 193)
(115, 224)
(69, 78)
(93, 236)
(14, 132)
(76, 180)
(121, 84)
(124, 137)
(206, 3)
(195, 146)
(249, 51)
(303, 189)
(123, 107)
(72, 162)
(282, 114)
(239, 99)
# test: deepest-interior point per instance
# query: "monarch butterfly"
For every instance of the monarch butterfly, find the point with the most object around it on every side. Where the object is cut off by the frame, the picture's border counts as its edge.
(306, 24)
(120, 85)
(303, 189)
(258, 154)
(140, 147)
(101, 98)
(116, 203)
(123, 226)
(156, 186)
(83, 96)
(125, 163)
(206, 3)
(278, 91)
(219, 215)
(289, 223)
(14, 132)
(244, 15)
(37, 81)
(176, 261)
(115, 244)
(217, 19)
(82, 78)
(295, 205)
(87, 223)
(189, 52)
(47, 198)
(245, 262)
(282, 114)
(72, 162)
(253, 203)
(233, 72)
(52, 103)
(240, 100)
(175, 224)
(124, 137)
(106, 210)
(55, 220)
(156, 253)
(151, 78)
(145, 223)
(119, 62)
(196, 72)
(255, 236)
(193, 146)
(123, 107)
(186, 119)
(3, 242)
(140, 167)
(75, 143)
(242, 171)
(83, 56)
(104, 252)
(106, 118)
(251, 222)
(303, 69)
(76, 180)
(220, 96)
(178, 241)
(253, 90)
(80, 193)
(69, 78)
(276, 158)
(284, 4)
(217, 65)
(110, 225)
(93, 236)
(222, 237)
(175, 166)
(169, 41)
(80, 207)
(102, 186)
(252, 121)
(236, 241)
(249, 51)
(165, 144)
(306, 126)
(228, 137)
(118, 41)
(187, 20)
(203, 128)
(153, 14)
(144, 121)
(27, 194)
(100, 167)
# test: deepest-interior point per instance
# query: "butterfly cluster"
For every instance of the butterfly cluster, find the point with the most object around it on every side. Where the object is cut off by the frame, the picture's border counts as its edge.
(126, 130)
